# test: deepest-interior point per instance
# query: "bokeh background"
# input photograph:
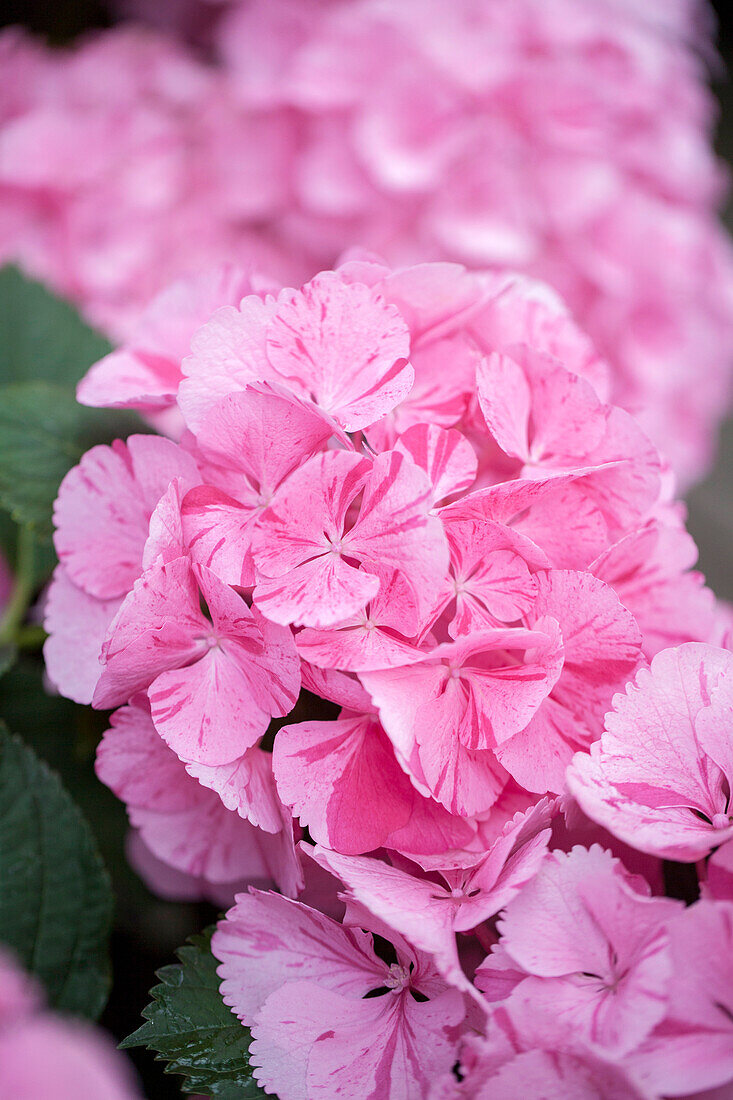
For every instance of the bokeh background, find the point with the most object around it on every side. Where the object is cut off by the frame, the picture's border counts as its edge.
(711, 503)
(147, 930)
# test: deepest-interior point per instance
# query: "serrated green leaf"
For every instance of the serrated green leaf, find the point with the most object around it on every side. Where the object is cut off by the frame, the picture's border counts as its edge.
(43, 433)
(189, 1027)
(42, 337)
(55, 895)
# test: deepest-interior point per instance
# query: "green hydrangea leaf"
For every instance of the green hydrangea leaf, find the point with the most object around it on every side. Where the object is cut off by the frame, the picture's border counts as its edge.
(192, 1030)
(43, 433)
(42, 337)
(55, 899)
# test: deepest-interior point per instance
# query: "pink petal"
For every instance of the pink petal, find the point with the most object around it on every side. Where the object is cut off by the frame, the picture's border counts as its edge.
(63, 1059)
(104, 507)
(318, 593)
(371, 639)
(447, 458)
(182, 822)
(395, 530)
(328, 323)
(267, 940)
(597, 949)
(561, 1076)
(158, 627)
(217, 532)
(77, 625)
(693, 1049)
(247, 787)
(147, 372)
(648, 569)
(227, 354)
(259, 436)
(383, 1046)
(330, 773)
(652, 780)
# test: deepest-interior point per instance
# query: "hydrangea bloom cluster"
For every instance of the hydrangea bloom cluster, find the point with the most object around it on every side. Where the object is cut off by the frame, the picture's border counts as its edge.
(569, 140)
(44, 1055)
(111, 188)
(362, 624)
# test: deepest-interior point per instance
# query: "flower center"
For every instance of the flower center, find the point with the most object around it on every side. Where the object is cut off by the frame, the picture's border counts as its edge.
(398, 978)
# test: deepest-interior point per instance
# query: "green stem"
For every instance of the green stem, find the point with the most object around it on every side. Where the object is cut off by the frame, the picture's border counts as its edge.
(30, 637)
(20, 598)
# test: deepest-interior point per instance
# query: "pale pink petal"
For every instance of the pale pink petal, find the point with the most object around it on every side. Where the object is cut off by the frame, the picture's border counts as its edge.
(104, 508)
(602, 649)
(216, 531)
(130, 378)
(210, 842)
(490, 578)
(267, 940)
(660, 777)
(649, 571)
(227, 354)
(559, 1076)
(147, 371)
(298, 546)
(692, 1050)
(371, 639)
(594, 947)
(77, 625)
(719, 879)
(418, 908)
(159, 626)
(319, 593)
(390, 1046)
(256, 437)
(246, 786)
(443, 713)
(20, 995)
(328, 323)
(134, 762)
(186, 825)
(395, 530)
(341, 688)
(210, 712)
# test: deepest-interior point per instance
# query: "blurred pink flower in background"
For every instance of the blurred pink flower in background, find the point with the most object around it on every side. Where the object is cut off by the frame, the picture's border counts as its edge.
(572, 141)
(43, 1055)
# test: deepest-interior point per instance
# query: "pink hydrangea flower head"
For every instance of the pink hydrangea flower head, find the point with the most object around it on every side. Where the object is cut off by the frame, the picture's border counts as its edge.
(660, 776)
(389, 610)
